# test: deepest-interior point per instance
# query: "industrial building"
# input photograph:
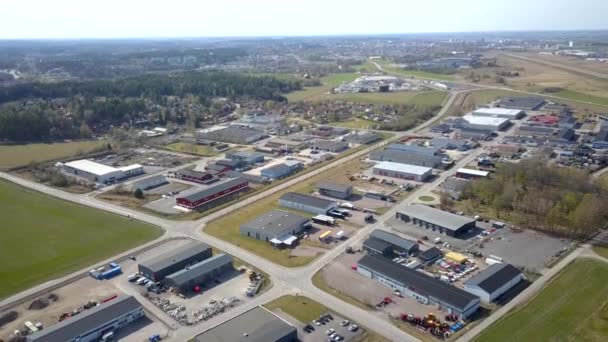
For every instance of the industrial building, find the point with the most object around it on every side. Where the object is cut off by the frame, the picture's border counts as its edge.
(100, 173)
(407, 157)
(399, 245)
(362, 138)
(435, 219)
(92, 324)
(335, 190)
(419, 286)
(373, 246)
(285, 144)
(233, 134)
(430, 255)
(415, 149)
(473, 134)
(452, 144)
(276, 226)
(484, 123)
(329, 146)
(601, 140)
(282, 170)
(199, 273)
(506, 113)
(161, 266)
(309, 204)
(149, 183)
(492, 282)
(245, 157)
(208, 197)
(193, 176)
(255, 325)
(470, 173)
(522, 102)
(403, 171)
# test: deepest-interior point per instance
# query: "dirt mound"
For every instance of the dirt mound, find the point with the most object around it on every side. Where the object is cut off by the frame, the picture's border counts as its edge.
(8, 317)
(38, 304)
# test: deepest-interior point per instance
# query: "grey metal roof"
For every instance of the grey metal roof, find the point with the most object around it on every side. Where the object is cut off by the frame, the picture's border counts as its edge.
(191, 173)
(191, 272)
(276, 221)
(430, 254)
(255, 325)
(493, 277)
(213, 189)
(376, 244)
(435, 288)
(435, 216)
(406, 157)
(87, 321)
(329, 145)
(429, 151)
(278, 169)
(307, 200)
(163, 261)
(522, 102)
(537, 129)
(334, 186)
(232, 134)
(602, 136)
(565, 134)
(447, 143)
(393, 239)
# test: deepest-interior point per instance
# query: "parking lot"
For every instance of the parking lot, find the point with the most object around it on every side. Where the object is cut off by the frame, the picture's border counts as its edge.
(322, 329)
(167, 204)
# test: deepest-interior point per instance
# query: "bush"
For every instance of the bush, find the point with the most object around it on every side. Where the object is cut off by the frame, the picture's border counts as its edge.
(138, 194)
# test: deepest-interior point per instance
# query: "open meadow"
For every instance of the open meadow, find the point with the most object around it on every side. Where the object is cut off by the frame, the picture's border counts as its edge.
(45, 238)
(22, 155)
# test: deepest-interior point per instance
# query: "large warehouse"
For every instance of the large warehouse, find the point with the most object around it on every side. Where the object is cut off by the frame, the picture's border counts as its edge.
(279, 226)
(435, 219)
(403, 171)
(161, 266)
(419, 286)
(233, 134)
(255, 325)
(492, 282)
(336, 190)
(506, 113)
(91, 324)
(399, 245)
(100, 173)
(522, 102)
(211, 195)
(407, 157)
(484, 122)
(309, 204)
(199, 273)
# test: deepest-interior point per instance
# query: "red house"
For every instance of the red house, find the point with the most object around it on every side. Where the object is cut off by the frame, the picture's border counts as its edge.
(213, 193)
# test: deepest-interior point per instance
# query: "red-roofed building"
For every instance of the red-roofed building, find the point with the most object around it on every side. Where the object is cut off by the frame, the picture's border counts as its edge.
(545, 120)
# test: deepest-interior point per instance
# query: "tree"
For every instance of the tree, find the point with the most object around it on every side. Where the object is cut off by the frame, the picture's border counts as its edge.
(138, 194)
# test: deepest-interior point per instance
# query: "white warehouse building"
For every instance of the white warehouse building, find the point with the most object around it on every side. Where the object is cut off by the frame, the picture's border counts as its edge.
(100, 173)
(491, 123)
(505, 113)
(403, 171)
(494, 281)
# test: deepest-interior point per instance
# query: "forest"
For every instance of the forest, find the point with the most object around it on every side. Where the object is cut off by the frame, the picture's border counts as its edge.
(544, 197)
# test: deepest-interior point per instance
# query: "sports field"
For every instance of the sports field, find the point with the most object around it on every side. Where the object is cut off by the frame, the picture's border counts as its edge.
(573, 307)
(21, 155)
(44, 238)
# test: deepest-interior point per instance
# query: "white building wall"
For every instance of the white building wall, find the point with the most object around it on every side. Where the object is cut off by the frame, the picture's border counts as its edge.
(489, 297)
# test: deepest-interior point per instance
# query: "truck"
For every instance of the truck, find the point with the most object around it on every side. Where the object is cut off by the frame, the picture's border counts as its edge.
(324, 219)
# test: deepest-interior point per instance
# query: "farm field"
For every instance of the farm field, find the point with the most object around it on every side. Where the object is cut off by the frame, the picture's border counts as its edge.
(22, 155)
(227, 227)
(355, 123)
(305, 310)
(200, 150)
(395, 70)
(45, 238)
(562, 311)
(418, 98)
(318, 93)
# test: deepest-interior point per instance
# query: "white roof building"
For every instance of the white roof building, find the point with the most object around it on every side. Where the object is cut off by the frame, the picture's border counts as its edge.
(505, 113)
(474, 173)
(485, 122)
(100, 173)
(404, 168)
(91, 167)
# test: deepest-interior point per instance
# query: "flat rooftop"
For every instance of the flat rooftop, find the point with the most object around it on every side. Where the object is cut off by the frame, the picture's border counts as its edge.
(277, 221)
(436, 216)
(405, 168)
(255, 325)
(91, 167)
(498, 111)
(484, 120)
(163, 261)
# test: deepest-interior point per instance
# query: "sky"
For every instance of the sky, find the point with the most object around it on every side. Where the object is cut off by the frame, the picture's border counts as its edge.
(24, 19)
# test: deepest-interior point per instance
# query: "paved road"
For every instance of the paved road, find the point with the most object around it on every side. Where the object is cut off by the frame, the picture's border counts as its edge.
(584, 72)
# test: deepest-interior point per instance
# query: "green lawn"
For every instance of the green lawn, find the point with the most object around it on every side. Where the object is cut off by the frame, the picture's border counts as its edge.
(395, 70)
(44, 238)
(22, 155)
(200, 150)
(318, 93)
(355, 123)
(227, 227)
(574, 95)
(573, 307)
(601, 250)
(426, 198)
(305, 310)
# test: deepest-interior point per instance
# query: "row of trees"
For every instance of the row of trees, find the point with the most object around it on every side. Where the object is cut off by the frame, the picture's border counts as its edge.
(561, 200)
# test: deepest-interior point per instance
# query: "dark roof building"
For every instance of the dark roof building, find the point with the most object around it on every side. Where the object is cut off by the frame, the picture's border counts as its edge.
(419, 285)
(430, 255)
(255, 325)
(431, 218)
(399, 244)
(199, 273)
(213, 193)
(274, 224)
(160, 266)
(277, 171)
(329, 146)
(601, 140)
(363, 138)
(427, 151)
(566, 134)
(377, 246)
(307, 203)
(475, 134)
(522, 102)
(492, 282)
(91, 324)
(234, 134)
(336, 190)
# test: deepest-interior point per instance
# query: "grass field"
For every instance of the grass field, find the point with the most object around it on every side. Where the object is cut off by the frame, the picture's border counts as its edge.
(574, 95)
(601, 250)
(395, 70)
(573, 307)
(426, 198)
(318, 93)
(355, 123)
(44, 238)
(199, 150)
(227, 227)
(305, 310)
(22, 155)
